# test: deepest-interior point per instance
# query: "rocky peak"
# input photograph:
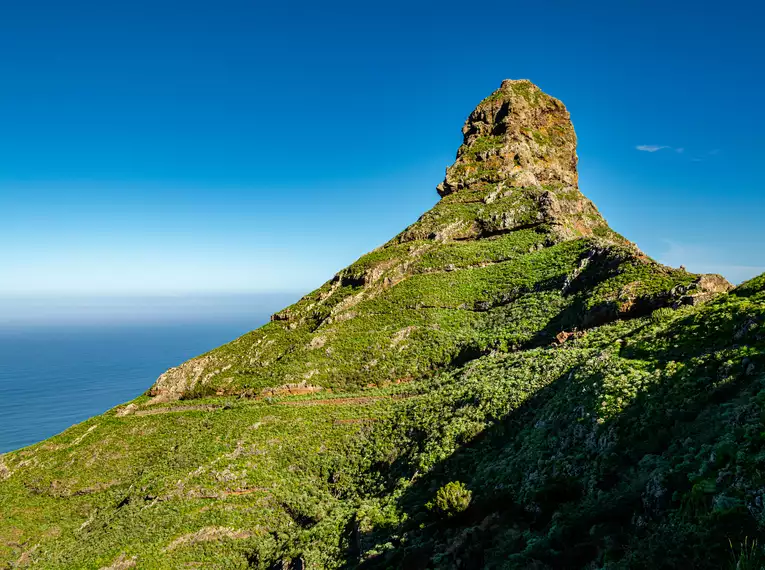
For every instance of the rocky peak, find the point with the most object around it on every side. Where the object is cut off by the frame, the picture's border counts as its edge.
(518, 135)
(511, 255)
(515, 169)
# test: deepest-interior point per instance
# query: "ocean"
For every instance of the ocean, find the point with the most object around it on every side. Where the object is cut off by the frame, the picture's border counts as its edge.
(63, 362)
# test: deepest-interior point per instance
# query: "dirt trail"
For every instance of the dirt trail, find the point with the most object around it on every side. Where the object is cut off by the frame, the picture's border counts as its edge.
(336, 401)
(175, 409)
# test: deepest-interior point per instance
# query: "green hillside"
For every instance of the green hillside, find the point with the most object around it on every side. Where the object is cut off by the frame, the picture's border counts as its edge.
(508, 383)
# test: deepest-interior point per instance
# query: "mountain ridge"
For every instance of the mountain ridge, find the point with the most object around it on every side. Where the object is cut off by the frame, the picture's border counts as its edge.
(513, 187)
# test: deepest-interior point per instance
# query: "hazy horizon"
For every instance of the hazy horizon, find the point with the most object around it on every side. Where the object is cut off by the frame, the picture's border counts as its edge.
(20, 311)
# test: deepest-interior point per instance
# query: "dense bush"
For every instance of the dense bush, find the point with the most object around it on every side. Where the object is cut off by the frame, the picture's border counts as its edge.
(451, 499)
(661, 315)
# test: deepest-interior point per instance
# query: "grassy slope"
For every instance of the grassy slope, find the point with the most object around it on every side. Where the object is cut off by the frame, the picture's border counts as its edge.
(640, 443)
(133, 485)
(430, 318)
(511, 222)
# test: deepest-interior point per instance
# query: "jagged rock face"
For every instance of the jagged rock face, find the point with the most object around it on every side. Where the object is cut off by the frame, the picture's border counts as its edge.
(515, 169)
(519, 136)
(512, 255)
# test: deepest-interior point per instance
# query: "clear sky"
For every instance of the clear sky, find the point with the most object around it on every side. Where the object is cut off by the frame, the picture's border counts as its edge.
(158, 146)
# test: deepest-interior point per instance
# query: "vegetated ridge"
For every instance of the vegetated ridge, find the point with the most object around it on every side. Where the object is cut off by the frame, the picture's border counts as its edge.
(506, 383)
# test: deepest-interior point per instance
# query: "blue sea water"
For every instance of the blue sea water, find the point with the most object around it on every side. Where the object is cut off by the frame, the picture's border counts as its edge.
(59, 371)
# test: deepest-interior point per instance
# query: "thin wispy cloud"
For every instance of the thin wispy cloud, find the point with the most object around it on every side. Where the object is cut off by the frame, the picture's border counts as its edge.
(678, 150)
(650, 147)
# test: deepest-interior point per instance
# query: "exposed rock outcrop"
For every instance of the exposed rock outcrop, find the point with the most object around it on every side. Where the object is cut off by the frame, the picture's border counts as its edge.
(518, 158)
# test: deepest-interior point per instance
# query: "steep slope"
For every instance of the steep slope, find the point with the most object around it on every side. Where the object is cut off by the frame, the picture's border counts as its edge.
(506, 383)
(511, 255)
(639, 445)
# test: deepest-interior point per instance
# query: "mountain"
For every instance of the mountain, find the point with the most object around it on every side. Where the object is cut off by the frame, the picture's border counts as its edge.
(506, 383)
(511, 237)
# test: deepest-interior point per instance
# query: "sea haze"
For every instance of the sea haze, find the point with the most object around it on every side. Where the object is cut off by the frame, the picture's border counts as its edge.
(63, 360)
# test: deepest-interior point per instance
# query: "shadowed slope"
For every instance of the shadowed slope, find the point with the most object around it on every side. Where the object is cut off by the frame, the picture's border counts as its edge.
(639, 445)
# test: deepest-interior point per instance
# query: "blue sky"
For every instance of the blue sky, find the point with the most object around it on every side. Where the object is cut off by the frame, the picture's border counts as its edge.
(153, 147)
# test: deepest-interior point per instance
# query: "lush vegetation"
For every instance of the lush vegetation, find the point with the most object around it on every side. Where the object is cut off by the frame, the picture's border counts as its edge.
(639, 444)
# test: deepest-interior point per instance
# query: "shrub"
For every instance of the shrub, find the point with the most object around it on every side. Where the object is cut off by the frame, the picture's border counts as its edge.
(451, 499)
(661, 315)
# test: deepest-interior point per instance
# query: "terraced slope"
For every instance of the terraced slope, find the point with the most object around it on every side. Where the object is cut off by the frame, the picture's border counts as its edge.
(507, 383)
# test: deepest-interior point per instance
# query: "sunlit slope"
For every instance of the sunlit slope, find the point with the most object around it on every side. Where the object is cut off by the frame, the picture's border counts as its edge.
(511, 255)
